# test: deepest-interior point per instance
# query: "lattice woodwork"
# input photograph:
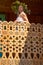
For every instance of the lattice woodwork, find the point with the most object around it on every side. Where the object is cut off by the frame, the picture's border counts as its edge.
(21, 44)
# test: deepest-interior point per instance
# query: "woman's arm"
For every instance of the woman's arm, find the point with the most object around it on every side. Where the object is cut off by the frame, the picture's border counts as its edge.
(24, 16)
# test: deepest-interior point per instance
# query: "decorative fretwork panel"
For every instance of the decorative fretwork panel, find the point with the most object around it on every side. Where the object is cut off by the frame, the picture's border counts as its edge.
(21, 44)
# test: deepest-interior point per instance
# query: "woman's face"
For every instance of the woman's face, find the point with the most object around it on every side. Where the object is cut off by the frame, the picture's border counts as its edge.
(20, 9)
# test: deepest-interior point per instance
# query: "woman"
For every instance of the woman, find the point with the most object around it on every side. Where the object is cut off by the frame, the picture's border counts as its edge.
(22, 17)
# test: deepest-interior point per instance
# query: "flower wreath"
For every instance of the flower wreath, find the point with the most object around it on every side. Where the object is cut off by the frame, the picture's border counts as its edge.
(15, 6)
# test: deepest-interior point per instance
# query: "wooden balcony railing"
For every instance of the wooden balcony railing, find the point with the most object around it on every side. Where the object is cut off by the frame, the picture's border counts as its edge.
(20, 43)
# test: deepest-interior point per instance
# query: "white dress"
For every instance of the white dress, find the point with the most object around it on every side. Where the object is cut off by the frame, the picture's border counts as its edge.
(19, 19)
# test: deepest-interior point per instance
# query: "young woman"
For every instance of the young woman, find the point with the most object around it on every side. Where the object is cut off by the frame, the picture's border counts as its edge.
(22, 17)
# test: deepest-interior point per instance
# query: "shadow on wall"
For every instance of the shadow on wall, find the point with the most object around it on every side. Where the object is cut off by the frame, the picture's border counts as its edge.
(32, 50)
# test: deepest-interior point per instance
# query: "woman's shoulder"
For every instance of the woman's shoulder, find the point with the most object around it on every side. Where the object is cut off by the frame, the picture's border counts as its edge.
(23, 13)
